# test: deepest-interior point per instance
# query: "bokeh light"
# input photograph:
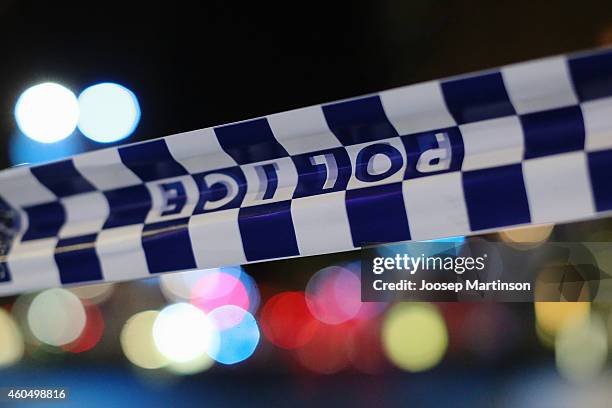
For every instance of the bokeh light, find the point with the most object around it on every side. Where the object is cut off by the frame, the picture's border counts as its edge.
(137, 341)
(414, 336)
(195, 366)
(220, 287)
(327, 352)
(238, 334)
(47, 112)
(581, 349)
(333, 295)
(286, 320)
(526, 237)
(23, 150)
(551, 316)
(91, 334)
(364, 347)
(56, 317)
(11, 340)
(177, 287)
(95, 294)
(108, 112)
(182, 333)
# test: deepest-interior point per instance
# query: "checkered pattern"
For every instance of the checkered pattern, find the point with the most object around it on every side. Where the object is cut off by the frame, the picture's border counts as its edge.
(530, 143)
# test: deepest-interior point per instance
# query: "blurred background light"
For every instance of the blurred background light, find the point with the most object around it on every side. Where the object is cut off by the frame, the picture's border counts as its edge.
(327, 352)
(194, 366)
(286, 320)
(108, 112)
(333, 295)
(92, 332)
(11, 340)
(94, 293)
(552, 316)
(182, 333)
(581, 349)
(364, 347)
(177, 287)
(531, 236)
(47, 112)
(56, 317)
(137, 342)
(23, 150)
(414, 336)
(238, 334)
(220, 287)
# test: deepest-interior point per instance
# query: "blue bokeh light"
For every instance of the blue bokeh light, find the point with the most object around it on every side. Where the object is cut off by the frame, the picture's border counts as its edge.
(238, 334)
(108, 112)
(24, 150)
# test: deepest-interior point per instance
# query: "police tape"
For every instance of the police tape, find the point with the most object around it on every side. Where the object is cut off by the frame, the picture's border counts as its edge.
(524, 144)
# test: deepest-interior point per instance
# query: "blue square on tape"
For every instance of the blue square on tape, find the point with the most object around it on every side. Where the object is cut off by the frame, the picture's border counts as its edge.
(322, 172)
(220, 189)
(553, 131)
(127, 206)
(377, 215)
(477, 98)
(600, 169)
(77, 260)
(167, 246)
(5, 274)
(249, 142)
(359, 120)
(62, 178)
(496, 197)
(44, 220)
(267, 231)
(592, 76)
(151, 161)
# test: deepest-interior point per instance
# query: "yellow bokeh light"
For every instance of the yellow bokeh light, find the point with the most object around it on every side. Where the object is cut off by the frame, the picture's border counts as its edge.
(94, 293)
(527, 236)
(11, 340)
(552, 316)
(581, 349)
(137, 341)
(414, 336)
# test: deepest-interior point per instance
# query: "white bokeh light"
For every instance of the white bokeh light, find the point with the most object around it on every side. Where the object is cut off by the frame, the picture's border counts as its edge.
(47, 112)
(108, 112)
(183, 333)
(56, 317)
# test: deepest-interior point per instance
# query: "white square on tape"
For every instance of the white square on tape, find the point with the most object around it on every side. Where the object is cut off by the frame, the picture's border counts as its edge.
(417, 108)
(85, 214)
(321, 223)
(558, 187)
(597, 116)
(120, 253)
(435, 206)
(539, 85)
(303, 130)
(492, 143)
(215, 239)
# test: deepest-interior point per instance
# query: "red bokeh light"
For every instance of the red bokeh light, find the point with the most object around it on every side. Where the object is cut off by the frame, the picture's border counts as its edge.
(327, 352)
(92, 333)
(286, 321)
(365, 347)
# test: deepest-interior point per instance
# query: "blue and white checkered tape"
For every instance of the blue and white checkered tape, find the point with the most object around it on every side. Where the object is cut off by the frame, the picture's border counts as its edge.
(524, 144)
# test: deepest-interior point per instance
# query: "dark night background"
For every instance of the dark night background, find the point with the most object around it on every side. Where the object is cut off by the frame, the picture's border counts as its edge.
(203, 64)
